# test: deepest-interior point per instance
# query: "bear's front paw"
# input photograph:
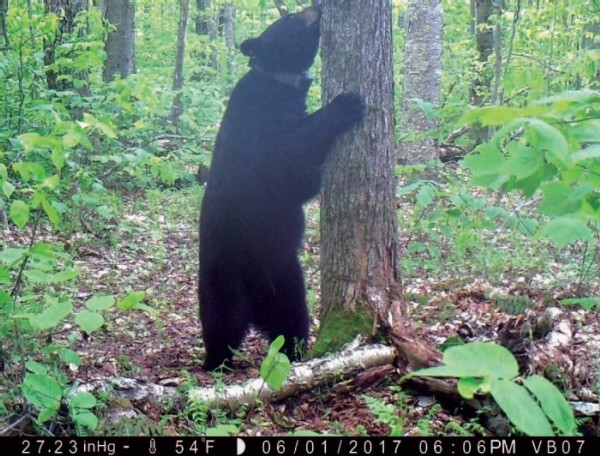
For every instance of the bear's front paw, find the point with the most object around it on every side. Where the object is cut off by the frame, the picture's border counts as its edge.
(349, 106)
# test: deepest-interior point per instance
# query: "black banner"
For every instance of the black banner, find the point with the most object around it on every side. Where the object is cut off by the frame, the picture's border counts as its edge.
(303, 446)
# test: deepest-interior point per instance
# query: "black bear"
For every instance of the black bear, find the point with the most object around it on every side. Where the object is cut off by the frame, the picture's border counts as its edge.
(266, 164)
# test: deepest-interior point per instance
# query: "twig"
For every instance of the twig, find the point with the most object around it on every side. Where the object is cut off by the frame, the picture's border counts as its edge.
(511, 43)
(548, 78)
(540, 62)
(13, 425)
(497, 52)
(17, 288)
(456, 134)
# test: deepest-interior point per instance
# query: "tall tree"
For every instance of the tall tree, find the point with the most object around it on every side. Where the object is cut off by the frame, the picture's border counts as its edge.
(422, 78)
(591, 39)
(203, 17)
(358, 210)
(484, 42)
(498, 39)
(120, 42)
(65, 10)
(177, 108)
(228, 27)
(3, 32)
(207, 23)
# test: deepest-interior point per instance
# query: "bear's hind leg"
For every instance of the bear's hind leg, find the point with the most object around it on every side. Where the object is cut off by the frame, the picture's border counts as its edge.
(225, 317)
(288, 314)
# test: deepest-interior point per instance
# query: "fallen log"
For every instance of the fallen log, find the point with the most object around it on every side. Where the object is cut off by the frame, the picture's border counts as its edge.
(302, 377)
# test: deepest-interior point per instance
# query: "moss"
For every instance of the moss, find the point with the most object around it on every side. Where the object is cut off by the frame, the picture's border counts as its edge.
(339, 328)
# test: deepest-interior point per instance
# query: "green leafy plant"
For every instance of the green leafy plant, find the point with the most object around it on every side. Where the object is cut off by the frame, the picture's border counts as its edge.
(450, 227)
(548, 151)
(276, 365)
(534, 406)
(585, 303)
(214, 423)
(47, 392)
(386, 413)
(35, 300)
(80, 406)
(551, 148)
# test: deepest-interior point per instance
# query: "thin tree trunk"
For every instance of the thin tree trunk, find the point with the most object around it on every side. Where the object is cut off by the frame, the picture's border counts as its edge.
(473, 22)
(206, 24)
(281, 7)
(484, 41)
(120, 44)
(358, 211)
(549, 72)
(202, 16)
(65, 10)
(177, 108)
(3, 31)
(228, 13)
(591, 39)
(422, 78)
(30, 17)
(511, 43)
(213, 35)
(498, 38)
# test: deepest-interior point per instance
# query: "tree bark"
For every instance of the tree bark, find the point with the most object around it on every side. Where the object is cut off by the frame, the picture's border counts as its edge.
(498, 39)
(484, 42)
(422, 78)
(362, 365)
(281, 7)
(177, 108)
(228, 26)
(202, 16)
(302, 377)
(358, 211)
(3, 32)
(207, 23)
(65, 10)
(591, 39)
(213, 35)
(120, 43)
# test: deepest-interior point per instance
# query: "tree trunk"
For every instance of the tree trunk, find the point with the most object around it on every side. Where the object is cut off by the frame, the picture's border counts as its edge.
(202, 16)
(422, 78)
(358, 211)
(281, 7)
(177, 108)
(498, 39)
(228, 25)
(484, 42)
(65, 10)
(591, 39)
(207, 24)
(472, 22)
(120, 44)
(5, 44)
(213, 35)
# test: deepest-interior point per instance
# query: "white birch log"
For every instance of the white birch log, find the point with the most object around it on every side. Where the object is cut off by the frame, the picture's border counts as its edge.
(302, 377)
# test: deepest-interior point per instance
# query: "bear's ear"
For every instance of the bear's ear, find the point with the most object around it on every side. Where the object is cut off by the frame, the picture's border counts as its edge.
(249, 47)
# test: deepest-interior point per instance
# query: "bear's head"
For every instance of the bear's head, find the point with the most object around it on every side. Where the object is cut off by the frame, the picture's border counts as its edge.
(289, 45)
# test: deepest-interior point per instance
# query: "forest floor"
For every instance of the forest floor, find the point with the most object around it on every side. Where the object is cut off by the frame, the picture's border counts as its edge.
(154, 248)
